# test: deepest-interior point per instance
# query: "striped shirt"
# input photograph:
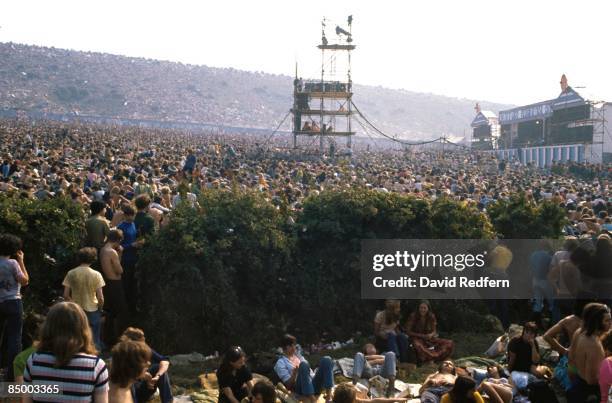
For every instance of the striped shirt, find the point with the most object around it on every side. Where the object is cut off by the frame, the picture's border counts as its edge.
(78, 381)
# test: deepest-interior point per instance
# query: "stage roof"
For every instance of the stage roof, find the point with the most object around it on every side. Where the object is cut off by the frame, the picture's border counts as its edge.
(541, 110)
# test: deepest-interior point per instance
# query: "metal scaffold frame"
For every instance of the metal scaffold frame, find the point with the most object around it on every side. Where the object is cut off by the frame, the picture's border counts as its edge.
(334, 98)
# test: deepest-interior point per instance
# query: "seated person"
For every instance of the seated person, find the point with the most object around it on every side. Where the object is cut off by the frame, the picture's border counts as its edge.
(389, 335)
(463, 391)
(262, 392)
(130, 360)
(235, 378)
(295, 373)
(155, 377)
(438, 383)
(371, 364)
(315, 127)
(498, 388)
(523, 351)
(347, 393)
(306, 127)
(422, 329)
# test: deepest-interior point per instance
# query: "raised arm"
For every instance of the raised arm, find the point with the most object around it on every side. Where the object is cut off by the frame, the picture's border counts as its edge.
(551, 338)
(24, 279)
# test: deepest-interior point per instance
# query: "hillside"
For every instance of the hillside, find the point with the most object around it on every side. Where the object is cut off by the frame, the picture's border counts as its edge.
(64, 82)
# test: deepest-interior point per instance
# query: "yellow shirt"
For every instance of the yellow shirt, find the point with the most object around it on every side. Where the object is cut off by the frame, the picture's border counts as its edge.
(447, 399)
(83, 282)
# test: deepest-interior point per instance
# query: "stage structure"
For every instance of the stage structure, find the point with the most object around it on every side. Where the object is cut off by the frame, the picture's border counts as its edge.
(568, 128)
(485, 130)
(322, 107)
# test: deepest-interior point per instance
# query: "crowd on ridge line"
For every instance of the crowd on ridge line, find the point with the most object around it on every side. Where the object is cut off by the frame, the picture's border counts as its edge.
(65, 82)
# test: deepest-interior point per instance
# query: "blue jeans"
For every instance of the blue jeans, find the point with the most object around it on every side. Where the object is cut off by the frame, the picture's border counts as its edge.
(11, 322)
(361, 367)
(95, 322)
(323, 378)
(398, 343)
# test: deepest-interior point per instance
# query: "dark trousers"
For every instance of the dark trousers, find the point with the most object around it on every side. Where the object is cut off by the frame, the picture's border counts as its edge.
(130, 285)
(141, 392)
(118, 314)
(11, 322)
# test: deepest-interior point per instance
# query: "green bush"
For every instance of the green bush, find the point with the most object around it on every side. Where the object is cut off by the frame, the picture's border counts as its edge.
(329, 244)
(238, 271)
(51, 232)
(517, 218)
(217, 276)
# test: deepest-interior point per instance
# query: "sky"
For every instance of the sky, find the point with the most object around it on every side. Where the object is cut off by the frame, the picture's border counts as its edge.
(507, 51)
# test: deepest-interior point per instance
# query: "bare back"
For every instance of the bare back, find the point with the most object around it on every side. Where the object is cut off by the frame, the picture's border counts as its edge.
(586, 354)
(111, 265)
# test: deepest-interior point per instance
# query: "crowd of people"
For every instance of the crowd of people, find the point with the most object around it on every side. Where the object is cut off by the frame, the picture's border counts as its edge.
(129, 180)
(61, 83)
(64, 82)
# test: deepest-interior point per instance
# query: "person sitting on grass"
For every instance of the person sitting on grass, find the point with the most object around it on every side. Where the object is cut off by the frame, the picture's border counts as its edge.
(423, 330)
(129, 364)
(156, 377)
(523, 350)
(389, 335)
(347, 393)
(463, 391)
(235, 378)
(295, 373)
(371, 364)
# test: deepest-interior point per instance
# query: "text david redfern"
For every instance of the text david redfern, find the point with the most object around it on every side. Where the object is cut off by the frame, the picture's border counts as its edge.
(425, 282)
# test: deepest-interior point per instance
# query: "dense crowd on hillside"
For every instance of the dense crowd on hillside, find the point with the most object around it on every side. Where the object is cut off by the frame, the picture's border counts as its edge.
(66, 82)
(130, 179)
(60, 81)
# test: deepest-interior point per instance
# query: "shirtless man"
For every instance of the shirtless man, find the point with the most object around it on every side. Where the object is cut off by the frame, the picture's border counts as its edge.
(438, 383)
(113, 290)
(586, 353)
(564, 330)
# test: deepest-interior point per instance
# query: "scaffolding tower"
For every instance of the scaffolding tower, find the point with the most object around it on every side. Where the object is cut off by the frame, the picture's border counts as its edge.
(323, 108)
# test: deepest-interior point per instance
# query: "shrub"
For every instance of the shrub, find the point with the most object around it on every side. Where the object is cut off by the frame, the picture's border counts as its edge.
(218, 275)
(517, 218)
(51, 231)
